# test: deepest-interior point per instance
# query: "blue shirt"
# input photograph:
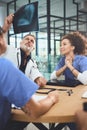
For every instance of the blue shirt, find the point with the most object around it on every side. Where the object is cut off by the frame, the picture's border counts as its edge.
(15, 88)
(79, 63)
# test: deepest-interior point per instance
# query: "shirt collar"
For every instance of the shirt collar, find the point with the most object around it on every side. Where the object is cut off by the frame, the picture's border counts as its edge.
(23, 55)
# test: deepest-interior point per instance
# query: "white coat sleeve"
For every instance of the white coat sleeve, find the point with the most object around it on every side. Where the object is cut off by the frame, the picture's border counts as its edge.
(32, 71)
(82, 77)
(53, 75)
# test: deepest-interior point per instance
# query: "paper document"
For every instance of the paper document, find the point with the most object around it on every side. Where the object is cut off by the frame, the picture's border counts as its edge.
(84, 95)
(38, 97)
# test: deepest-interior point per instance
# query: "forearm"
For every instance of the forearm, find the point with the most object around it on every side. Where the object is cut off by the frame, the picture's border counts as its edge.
(44, 106)
(36, 109)
(6, 27)
(78, 75)
(56, 74)
(74, 71)
(60, 71)
(7, 23)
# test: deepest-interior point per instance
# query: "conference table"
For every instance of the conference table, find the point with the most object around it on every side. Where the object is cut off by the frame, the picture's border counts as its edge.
(70, 101)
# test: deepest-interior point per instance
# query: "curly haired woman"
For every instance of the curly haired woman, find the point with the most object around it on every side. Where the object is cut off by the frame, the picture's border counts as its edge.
(73, 63)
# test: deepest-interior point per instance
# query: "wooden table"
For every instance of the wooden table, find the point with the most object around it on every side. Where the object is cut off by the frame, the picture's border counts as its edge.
(63, 111)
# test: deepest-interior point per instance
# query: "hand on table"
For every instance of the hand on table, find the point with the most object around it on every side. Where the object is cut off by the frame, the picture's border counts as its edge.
(41, 81)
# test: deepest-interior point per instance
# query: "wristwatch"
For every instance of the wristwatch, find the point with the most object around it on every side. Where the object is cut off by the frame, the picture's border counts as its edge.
(1, 30)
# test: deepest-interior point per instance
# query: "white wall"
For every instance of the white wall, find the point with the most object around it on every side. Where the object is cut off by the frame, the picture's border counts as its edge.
(3, 13)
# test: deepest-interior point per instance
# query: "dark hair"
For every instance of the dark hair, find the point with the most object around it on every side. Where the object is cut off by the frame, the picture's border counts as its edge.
(77, 40)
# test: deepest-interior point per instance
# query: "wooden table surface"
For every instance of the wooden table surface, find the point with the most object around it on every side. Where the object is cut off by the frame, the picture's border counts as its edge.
(63, 111)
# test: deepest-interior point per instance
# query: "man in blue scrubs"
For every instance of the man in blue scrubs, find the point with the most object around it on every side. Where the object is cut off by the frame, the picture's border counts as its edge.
(16, 88)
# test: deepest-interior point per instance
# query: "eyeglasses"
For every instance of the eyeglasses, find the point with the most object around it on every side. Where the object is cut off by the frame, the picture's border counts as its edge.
(1, 30)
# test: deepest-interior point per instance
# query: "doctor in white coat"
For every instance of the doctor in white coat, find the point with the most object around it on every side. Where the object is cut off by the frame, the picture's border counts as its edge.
(22, 57)
(26, 63)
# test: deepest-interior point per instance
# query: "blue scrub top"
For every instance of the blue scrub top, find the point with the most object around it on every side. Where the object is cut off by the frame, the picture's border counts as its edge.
(79, 63)
(15, 88)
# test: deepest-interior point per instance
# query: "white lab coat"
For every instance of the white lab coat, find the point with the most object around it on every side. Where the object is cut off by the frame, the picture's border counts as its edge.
(31, 70)
(14, 56)
(10, 54)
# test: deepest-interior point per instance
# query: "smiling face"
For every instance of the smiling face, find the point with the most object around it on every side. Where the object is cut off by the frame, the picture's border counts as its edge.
(28, 44)
(28, 41)
(66, 47)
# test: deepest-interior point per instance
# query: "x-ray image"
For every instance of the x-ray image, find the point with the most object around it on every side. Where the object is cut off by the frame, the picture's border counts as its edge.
(26, 18)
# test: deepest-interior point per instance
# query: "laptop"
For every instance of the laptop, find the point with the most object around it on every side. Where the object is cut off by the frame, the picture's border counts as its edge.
(56, 82)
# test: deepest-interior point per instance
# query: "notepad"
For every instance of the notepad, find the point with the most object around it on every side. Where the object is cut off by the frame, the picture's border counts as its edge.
(38, 97)
(84, 95)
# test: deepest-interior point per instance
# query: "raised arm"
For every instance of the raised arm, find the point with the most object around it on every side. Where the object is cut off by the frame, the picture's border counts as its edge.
(7, 23)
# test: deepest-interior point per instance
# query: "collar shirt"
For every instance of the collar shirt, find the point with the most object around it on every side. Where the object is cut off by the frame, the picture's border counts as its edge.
(24, 61)
(30, 68)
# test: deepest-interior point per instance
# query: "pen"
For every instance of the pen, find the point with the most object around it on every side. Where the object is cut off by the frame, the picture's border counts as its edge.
(60, 89)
